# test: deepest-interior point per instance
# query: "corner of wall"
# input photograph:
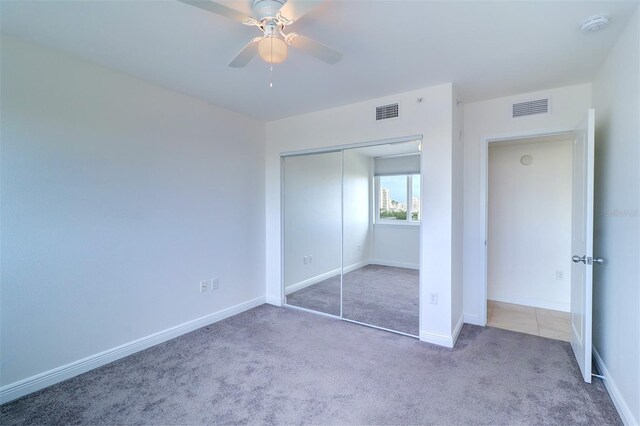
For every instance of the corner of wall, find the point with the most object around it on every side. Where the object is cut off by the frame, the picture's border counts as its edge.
(274, 300)
(457, 212)
(616, 326)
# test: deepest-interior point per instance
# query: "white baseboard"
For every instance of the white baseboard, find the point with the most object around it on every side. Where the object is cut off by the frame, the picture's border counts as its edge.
(474, 319)
(355, 266)
(542, 304)
(618, 401)
(39, 381)
(457, 329)
(394, 263)
(441, 339)
(274, 300)
(311, 281)
(437, 339)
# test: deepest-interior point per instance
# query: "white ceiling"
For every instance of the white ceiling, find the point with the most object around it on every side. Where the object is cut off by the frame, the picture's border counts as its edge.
(488, 48)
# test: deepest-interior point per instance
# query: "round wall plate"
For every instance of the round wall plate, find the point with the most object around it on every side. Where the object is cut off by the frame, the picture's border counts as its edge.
(526, 159)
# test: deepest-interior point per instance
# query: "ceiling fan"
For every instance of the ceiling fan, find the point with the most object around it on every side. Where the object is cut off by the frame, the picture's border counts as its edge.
(272, 17)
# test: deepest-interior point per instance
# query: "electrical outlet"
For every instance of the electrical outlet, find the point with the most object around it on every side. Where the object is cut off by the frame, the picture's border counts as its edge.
(204, 286)
(305, 260)
(215, 283)
(310, 259)
(433, 298)
(560, 275)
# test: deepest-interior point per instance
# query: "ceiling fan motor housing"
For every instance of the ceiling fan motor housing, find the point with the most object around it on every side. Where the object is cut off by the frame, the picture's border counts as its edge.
(265, 9)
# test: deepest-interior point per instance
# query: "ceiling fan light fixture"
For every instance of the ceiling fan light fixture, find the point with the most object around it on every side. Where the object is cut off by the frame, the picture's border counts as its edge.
(271, 17)
(272, 49)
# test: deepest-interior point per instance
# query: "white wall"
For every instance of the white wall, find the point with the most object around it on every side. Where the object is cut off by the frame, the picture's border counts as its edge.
(312, 223)
(616, 326)
(492, 118)
(396, 245)
(529, 218)
(357, 210)
(356, 123)
(118, 197)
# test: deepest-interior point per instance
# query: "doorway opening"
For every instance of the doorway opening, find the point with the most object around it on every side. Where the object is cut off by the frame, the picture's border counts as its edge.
(529, 196)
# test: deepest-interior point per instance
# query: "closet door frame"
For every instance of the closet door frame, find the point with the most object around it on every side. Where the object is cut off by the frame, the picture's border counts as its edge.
(326, 150)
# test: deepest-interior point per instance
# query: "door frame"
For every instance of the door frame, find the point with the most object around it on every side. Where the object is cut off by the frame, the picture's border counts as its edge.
(484, 196)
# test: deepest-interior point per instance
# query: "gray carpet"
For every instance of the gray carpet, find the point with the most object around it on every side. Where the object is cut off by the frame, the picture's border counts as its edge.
(280, 366)
(379, 295)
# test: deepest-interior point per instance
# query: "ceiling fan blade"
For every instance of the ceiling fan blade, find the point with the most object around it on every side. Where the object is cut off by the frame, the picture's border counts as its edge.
(218, 9)
(246, 54)
(313, 48)
(294, 9)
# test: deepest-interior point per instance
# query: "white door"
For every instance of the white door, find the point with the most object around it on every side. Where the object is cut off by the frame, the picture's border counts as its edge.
(582, 243)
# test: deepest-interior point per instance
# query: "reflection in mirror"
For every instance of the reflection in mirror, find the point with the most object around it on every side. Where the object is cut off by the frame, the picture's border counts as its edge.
(313, 231)
(381, 236)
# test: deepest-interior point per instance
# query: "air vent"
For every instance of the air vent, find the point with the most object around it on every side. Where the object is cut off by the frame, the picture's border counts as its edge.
(522, 109)
(386, 111)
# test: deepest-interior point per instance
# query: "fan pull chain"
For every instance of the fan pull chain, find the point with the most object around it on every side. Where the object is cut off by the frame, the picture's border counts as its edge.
(271, 64)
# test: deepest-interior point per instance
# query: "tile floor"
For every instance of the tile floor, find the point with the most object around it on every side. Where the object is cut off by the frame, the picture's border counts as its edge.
(530, 320)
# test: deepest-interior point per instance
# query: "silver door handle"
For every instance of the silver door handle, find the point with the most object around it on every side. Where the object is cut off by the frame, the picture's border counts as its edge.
(578, 259)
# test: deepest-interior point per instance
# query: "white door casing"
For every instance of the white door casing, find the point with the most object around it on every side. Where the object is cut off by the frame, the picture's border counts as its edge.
(582, 243)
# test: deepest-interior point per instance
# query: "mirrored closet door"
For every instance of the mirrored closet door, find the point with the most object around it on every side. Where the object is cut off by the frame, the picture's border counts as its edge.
(351, 234)
(312, 231)
(381, 236)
